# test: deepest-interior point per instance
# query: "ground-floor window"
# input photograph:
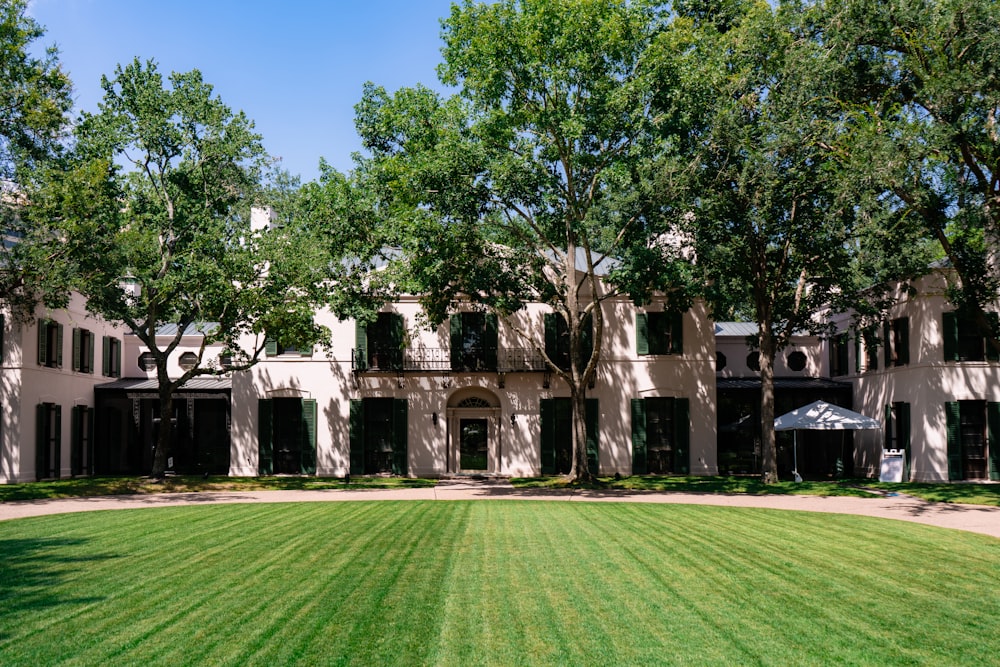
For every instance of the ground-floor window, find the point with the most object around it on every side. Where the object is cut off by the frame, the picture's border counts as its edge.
(81, 440)
(48, 437)
(378, 436)
(557, 435)
(660, 436)
(897, 432)
(287, 436)
(973, 428)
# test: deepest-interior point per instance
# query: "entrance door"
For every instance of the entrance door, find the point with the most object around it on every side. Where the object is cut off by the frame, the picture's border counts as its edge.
(473, 444)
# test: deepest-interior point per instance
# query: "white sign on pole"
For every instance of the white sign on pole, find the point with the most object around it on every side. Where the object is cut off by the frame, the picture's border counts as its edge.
(891, 469)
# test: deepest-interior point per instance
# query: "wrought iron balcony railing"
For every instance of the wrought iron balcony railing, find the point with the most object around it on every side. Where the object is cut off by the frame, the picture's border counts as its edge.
(439, 360)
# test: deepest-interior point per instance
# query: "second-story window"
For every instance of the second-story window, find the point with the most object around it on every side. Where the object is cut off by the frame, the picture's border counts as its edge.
(50, 338)
(473, 342)
(111, 357)
(379, 344)
(838, 355)
(83, 351)
(965, 339)
(557, 340)
(659, 333)
(896, 334)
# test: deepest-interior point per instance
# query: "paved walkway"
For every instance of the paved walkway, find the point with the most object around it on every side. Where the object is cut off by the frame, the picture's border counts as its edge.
(974, 518)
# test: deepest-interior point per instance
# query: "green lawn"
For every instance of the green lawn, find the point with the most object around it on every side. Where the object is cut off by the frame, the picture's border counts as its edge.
(113, 486)
(493, 582)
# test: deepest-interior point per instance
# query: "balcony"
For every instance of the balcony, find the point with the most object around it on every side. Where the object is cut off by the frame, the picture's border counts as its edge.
(439, 360)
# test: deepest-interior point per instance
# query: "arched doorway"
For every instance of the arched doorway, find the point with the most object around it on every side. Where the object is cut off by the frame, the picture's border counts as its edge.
(473, 433)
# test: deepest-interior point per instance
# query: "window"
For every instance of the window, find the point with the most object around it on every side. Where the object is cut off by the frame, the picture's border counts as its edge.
(870, 340)
(378, 436)
(661, 430)
(48, 440)
(50, 338)
(557, 435)
(188, 360)
(796, 360)
(83, 351)
(753, 361)
(896, 338)
(557, 340)
(659, 333)
(276, 348)
(897, 432)
(720, 361)
(973, 430)
(147, 361)
(964, 339)
(81, 439)
(379, 345)
(838, 355)
(473, 342)
(111, 356)
(286, 438)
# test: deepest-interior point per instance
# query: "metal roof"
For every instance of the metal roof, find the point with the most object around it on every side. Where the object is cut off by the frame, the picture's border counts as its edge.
(194, 329)
(783, 383)
(211, 383)
(743, 329)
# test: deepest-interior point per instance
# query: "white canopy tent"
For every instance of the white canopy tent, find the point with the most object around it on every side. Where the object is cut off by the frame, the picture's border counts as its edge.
(821, 416)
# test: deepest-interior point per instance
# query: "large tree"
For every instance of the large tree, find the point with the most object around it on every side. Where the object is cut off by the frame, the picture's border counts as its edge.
(154, 216)
(520, 187)
(923, 98)
(34, 101)
(773, 229)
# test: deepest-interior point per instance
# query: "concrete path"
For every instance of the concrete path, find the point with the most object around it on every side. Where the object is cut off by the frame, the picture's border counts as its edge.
(974, 518)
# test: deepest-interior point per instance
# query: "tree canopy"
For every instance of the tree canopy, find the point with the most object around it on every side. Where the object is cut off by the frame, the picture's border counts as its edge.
(155, 216)
(525, 185)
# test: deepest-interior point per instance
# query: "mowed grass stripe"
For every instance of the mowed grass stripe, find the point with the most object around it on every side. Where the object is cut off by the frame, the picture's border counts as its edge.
(461, 583)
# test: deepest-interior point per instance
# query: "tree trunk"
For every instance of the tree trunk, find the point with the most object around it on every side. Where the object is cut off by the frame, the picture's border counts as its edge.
(162, 451)
(769, 452)
(580, 470)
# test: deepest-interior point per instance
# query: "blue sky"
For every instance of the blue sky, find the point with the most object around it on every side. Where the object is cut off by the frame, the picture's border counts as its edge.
(295, 67)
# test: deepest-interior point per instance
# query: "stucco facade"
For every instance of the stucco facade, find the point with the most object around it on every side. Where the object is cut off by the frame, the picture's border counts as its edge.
(672, 395)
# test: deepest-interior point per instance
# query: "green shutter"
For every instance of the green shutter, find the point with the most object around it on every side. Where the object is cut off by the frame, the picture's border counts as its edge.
(641, 333)
(455, 327)
(676, 333)
(57, 441)
(43, 357)
(118, 358)
(398, 332)
(888, 427)
(491, 342)
(89, 470)
(74, 439)
(887, 344)
(360, 345)
(41, 431)
(593, 417)
(551, 338)
(309, 436)
(991, 352)
(106, 356)
(271, 347)
(357, 437)
(953, 429)
(399, 437)
(949, 323)
(3, 324)
(857, 352)
(548, 434)
(586, 340)
(59, 346)
(77, 357)
(993, 439)
(682, 436)
(265, 437)
(903, 436)
(903, 353)
(639, 465)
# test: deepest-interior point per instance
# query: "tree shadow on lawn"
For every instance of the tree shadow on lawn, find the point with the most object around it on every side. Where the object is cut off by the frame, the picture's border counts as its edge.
(700, 485)
(31, 571)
